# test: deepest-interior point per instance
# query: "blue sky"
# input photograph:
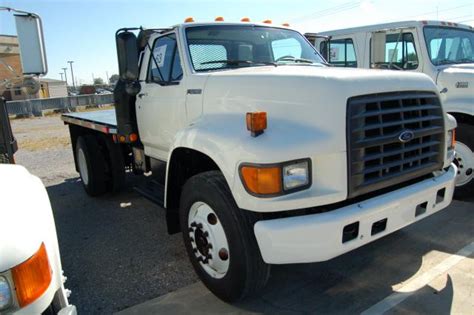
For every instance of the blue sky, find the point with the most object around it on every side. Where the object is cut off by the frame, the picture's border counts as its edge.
(83, 31)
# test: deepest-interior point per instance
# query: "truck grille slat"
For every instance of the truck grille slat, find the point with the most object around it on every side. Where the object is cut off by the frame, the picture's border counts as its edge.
(395, 110)
(393, 137)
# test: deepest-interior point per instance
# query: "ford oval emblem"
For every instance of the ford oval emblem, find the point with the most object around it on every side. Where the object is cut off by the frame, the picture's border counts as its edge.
(406, 135)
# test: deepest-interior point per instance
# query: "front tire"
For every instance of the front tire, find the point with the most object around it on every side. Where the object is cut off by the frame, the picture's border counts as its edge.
(464, 159)
(220, 240)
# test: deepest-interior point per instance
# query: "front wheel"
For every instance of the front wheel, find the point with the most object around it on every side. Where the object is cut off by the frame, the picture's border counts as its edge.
(219, 239)
(464, 159)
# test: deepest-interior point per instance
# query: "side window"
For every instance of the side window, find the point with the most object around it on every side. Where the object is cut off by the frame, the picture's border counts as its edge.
(202, 53)
(341, 52)
(286, 47)
(165, 65)
(400, 51)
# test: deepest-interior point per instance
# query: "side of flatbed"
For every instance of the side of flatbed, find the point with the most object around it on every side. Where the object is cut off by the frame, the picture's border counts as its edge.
(104, 121)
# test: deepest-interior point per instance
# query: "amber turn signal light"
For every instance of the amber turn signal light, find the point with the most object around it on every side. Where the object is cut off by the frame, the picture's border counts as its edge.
(32, 277)
(256, 122)
(262, 180)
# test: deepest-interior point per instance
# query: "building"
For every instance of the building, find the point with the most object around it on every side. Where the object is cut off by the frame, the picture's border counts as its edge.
(52, 88)
(11, 74)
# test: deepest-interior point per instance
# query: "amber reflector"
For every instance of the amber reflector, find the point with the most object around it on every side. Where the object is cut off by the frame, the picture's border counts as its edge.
(454, 138)
(245, 19)
(262, 180)
(286, 24)
(32, 277)
(219, 19)
(256, 122)
(188, 20)
(267, 21)
(133, 137)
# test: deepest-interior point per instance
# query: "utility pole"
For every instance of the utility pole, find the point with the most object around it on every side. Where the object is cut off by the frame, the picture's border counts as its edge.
(72, 75)
(92, 78)
(65, 75)
(107, 76)
(62, 76)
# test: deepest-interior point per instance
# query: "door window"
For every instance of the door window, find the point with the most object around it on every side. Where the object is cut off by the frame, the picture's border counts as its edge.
(400, 52)
(165, 65)
(341, 52)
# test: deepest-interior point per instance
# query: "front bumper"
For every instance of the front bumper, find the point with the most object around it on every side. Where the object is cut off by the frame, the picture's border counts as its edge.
(319, 237)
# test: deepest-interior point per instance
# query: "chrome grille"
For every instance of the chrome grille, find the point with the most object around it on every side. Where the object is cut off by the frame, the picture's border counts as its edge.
(377, 127)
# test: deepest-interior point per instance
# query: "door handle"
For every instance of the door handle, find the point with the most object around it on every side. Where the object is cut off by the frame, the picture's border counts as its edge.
(142, 95)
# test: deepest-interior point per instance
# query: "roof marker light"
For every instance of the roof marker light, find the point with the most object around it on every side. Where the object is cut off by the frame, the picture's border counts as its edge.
(188, 20)
(424, 22)
(245, 19)
(286, 24)
(267, 21)
(219, 19)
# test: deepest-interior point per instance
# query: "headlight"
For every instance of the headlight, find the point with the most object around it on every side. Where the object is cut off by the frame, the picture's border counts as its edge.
(269, 180)
(5, 294)
(451, 139)
(295, 175)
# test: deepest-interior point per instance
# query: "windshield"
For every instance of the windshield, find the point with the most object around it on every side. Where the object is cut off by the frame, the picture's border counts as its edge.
(449, 45)
(233, 46)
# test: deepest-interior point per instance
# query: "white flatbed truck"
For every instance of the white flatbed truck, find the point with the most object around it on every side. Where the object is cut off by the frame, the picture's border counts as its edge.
(442, 50)
(261, 154)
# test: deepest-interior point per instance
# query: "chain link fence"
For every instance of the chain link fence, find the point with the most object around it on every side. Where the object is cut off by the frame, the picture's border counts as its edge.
(35, 107)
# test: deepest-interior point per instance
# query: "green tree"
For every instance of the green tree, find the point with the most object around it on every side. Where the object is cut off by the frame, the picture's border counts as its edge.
(98, 81)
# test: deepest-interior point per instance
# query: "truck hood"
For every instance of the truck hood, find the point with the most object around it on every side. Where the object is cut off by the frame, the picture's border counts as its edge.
(457, 81)
(304, 102)
(26, 216)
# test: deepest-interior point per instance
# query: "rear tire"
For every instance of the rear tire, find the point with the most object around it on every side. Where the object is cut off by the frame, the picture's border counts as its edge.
(464, 159)
(91, 164)
(231, 273)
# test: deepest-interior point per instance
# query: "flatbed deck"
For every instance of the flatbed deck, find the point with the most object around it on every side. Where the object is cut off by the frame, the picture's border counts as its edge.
(102, 120)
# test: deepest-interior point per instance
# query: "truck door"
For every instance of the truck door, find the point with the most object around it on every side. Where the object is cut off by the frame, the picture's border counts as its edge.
(160, 104)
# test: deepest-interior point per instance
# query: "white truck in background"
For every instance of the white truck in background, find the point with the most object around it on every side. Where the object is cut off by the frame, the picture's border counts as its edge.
(442, 50)
(259, 152)
(31, 275)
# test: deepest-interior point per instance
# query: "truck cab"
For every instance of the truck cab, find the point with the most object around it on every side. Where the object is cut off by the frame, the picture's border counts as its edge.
(442, 50)
(262, 154)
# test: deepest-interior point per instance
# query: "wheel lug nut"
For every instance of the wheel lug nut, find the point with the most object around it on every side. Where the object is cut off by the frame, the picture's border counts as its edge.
(193, 224)
(223, 254)
(206, 234)
(209, 256)
(209, 246)
(199, 225)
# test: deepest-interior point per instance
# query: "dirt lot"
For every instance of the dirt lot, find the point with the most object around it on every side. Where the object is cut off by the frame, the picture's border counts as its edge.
(117, 254)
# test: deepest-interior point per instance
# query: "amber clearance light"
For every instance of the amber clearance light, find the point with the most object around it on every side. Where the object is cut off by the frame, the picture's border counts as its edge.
(32, 277)
(256, 122)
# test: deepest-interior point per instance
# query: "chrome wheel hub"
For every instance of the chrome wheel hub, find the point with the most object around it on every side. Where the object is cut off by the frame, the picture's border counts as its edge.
(208, 240)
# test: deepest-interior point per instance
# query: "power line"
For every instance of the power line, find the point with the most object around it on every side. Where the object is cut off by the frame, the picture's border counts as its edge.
(330, 11)
(440, 11)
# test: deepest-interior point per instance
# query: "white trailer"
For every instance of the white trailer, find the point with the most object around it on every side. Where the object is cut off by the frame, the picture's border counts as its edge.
(442, 50)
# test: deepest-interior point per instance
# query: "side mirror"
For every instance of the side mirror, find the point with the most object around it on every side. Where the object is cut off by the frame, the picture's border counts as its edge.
(378, 47)
(31, 42)
(127, 51)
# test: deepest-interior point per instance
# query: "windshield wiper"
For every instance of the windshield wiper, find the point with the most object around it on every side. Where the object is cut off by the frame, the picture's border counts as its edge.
(464, 60)
(444, 62)
(234, 62)
(294, 59)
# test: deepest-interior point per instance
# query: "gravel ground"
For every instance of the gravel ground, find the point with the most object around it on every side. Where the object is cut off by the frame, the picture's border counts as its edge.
(115, 249)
